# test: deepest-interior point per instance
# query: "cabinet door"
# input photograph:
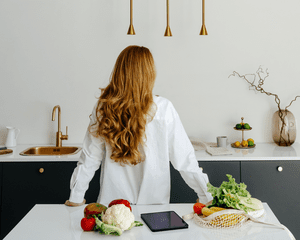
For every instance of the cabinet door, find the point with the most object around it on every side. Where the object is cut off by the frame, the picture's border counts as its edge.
(27, 184)
(30, 183)
(216, 171)
(280, 189)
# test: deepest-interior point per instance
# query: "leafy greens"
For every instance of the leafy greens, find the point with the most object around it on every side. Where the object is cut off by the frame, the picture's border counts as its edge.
(233, 195)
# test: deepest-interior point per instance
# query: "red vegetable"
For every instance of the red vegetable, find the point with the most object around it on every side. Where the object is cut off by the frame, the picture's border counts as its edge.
(120, 201)
(198, 208)
(88, 224)
(94, 209)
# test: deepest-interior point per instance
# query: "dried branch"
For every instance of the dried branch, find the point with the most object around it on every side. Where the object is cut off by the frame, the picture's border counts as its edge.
(292, 102)
(281, 113)
(261, 82)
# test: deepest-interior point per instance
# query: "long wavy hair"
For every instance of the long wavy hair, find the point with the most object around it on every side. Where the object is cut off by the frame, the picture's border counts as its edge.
(124, 106)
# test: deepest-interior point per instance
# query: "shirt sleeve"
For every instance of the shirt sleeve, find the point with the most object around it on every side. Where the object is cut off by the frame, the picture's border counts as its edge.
(90, 159)
(183, 159)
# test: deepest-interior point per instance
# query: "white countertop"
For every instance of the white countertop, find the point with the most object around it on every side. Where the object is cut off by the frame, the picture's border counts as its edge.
(59, 222)
(262, 151)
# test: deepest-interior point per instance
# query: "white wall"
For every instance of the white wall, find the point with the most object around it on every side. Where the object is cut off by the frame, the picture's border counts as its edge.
(61, 51)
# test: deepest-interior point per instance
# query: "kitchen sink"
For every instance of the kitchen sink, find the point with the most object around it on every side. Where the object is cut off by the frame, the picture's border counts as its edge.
(50, 151)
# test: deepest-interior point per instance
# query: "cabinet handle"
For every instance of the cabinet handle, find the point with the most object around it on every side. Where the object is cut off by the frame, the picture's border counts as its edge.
(41, 170)
(279, 169)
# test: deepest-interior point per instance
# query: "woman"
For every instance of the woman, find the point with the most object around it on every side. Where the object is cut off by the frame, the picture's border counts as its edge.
(134, 135)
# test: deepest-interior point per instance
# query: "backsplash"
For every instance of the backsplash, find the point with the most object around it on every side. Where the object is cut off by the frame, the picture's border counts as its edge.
(61, 52)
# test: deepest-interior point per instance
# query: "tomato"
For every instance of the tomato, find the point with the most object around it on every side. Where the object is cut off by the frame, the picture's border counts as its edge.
(120, 201)
(198, 208)
(88, 224)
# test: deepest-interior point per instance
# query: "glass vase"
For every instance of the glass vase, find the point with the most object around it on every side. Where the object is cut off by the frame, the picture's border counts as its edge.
(284, 128)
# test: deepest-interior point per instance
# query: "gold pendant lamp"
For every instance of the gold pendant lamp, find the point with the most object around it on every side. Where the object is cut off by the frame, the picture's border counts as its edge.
(131, 28)
(203, 28)
(168, 32)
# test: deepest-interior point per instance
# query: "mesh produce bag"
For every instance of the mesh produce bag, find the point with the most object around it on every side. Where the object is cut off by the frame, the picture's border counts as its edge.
(222, 219)
(231, 219)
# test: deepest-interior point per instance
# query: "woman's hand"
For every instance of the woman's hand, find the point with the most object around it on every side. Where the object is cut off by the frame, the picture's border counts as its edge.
(71, 204)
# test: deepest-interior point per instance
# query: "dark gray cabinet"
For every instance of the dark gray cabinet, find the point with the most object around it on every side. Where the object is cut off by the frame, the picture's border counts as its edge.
(278, 184)
(25, 184)
(216, 171)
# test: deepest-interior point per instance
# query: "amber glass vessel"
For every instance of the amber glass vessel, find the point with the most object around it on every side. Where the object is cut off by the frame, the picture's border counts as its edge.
(284, 128)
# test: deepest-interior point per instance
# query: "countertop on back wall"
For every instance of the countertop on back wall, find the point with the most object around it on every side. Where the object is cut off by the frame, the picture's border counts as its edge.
(262, 151)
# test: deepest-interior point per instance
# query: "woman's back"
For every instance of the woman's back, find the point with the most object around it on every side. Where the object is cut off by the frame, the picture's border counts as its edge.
(149, 181)
(135, 135)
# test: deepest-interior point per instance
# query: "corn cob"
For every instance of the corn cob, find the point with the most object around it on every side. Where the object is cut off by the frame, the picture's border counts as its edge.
(224, 220)
(227, 220)
(217, 209)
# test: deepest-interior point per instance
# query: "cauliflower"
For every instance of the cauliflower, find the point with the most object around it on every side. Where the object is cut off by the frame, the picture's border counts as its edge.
(119, 215)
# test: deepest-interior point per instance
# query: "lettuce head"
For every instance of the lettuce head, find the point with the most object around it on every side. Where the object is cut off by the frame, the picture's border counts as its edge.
(233, 195)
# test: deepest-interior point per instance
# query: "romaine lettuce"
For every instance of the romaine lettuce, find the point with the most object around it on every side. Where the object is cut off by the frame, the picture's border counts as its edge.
(233, 195)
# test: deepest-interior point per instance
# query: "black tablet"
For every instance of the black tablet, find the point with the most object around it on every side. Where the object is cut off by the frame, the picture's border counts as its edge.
(163, 221)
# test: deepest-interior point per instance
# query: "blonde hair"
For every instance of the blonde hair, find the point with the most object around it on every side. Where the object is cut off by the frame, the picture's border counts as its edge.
(125, 105)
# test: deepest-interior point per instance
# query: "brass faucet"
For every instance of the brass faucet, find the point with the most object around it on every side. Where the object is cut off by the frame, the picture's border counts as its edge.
(59, 135)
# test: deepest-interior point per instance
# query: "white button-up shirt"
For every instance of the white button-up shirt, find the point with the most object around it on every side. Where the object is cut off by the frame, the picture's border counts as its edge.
(147, 182)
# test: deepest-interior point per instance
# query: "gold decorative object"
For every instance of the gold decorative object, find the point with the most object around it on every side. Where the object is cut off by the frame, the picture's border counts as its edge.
(203, 30)
(131, 28)
(168, 32)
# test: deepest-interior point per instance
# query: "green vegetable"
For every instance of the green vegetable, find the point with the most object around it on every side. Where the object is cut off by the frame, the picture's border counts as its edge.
(109, 229)
(251, 203)
(233, 195)
(106, 228)
(135, 224)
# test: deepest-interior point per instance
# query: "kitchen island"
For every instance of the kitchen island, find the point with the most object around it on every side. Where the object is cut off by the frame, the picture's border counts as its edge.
(55, 222)
(271, 174)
